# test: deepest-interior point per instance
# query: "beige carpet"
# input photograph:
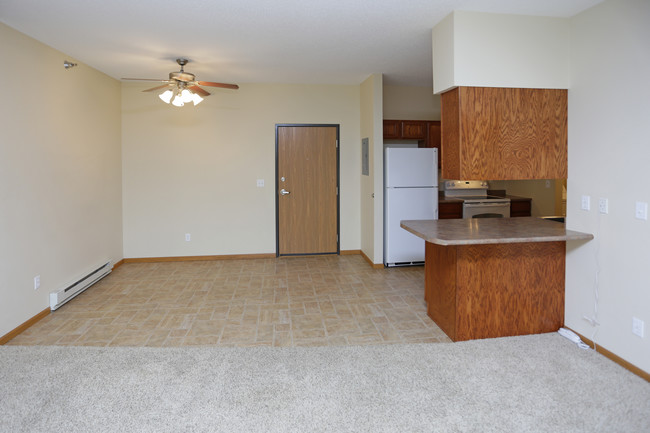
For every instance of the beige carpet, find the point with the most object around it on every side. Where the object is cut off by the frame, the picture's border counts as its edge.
(540, 383)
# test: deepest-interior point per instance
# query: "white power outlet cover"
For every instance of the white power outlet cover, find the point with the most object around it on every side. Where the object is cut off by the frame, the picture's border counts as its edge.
(638, 327)
(641, 210)
(260, 183)
(603, 205)
(37, 282)
(585, 203)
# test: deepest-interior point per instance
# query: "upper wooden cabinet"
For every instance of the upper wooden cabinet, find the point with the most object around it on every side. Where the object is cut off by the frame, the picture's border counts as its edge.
(504, 133)
(392, 129)
(427, 132)
(433, 137)
(414, 129)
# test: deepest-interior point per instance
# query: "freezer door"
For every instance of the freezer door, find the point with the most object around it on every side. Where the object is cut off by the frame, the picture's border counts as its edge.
(411, 167)
(400, 246)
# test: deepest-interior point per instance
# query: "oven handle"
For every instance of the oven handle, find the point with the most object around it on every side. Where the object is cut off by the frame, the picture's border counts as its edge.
(486, 204)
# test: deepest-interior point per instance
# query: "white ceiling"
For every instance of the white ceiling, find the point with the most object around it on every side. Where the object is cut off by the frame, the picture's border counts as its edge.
(256, 41)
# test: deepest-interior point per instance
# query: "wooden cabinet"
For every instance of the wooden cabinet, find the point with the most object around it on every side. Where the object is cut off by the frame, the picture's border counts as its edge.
(495, 290)
(449, 210)
(427, 132)
(433, 136)
(414, 129)
(504, 133)
(520, 207)
(392, 129)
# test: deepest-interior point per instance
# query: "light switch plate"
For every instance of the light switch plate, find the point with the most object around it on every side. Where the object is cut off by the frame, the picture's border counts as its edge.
(641, 210)
(638, 327)
(585, 202)
(188, 237)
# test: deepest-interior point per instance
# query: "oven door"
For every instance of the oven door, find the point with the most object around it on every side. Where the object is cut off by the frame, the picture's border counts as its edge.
(486, 210)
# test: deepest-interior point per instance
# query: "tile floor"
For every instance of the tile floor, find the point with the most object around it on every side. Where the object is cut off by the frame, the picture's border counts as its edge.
(289, 301)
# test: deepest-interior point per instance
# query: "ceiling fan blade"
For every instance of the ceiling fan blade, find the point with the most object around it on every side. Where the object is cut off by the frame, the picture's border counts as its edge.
(157, 87)
(224, 85)
(199, 90)
(146, 79)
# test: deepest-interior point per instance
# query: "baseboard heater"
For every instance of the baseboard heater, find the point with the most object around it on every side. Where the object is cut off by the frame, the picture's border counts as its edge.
(62, 296)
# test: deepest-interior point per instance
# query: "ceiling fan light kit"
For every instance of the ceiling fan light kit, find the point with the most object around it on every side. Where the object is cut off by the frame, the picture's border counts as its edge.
(183, 88)
(166, 96)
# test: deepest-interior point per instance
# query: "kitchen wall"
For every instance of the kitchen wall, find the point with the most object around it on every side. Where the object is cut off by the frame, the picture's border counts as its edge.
(194, 169)
(609, 150)
(372, 192)
(544, 197)
(410, 103)
(60, 175)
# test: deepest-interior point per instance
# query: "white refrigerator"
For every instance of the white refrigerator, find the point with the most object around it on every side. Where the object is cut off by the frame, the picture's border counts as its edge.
(410, 193)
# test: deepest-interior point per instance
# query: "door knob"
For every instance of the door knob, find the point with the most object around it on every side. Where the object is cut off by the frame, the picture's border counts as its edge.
(284, 191)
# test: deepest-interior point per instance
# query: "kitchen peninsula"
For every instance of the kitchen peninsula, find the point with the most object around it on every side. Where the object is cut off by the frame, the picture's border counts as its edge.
(494, 277)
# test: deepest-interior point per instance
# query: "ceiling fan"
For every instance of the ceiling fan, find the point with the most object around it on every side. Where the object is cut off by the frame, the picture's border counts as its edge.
(183, 87)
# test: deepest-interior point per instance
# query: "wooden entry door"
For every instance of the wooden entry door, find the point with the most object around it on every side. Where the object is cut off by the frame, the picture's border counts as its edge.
(307, 189)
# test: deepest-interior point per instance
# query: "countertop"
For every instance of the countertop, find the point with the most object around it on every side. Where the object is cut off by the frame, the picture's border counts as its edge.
(491, 231)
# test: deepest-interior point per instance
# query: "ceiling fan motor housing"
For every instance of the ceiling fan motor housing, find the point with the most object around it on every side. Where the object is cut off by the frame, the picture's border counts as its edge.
(181, 76)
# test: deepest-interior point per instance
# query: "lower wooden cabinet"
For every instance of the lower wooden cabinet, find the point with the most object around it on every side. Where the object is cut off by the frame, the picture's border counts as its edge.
(520, 207)
(447, 210)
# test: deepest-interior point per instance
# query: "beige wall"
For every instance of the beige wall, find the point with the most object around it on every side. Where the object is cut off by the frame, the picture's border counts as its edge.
(410, 103)
(499, 50)
(60, 181)
(608, 157)
(194, 169)
(543, 203)
(372, 186)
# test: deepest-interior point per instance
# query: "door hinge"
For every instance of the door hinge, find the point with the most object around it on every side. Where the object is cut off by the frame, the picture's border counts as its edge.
(337, 144)
(337, 238)
(337, 190)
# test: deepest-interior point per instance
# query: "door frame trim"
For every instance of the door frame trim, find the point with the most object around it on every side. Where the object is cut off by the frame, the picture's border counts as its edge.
(338, 185)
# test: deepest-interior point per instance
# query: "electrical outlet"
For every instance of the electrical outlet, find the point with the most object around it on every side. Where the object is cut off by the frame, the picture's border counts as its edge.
(188, 237)
(641, 210)
(260, 183)
(548, 184)
(637, 327)
(37, 282)
(603, 205)
(585, 202)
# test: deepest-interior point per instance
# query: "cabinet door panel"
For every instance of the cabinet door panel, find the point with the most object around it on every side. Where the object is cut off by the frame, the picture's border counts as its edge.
(520, 208)
(433, 137)
(504, 133)
(414, 129)
(450, 210)
(392, 129)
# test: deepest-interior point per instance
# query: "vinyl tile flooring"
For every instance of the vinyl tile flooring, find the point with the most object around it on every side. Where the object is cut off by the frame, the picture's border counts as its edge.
(288, 301)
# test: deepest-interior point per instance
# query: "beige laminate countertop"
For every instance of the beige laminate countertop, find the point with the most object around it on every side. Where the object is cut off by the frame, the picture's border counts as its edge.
(491, 231)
